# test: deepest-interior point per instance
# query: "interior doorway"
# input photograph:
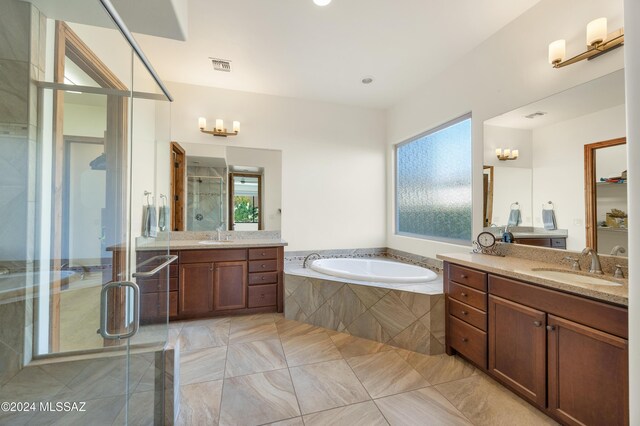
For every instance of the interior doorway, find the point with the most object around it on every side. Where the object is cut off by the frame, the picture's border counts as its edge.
(178, 177)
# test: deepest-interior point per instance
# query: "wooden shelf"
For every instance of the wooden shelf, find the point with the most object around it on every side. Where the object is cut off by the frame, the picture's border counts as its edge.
(610, 184)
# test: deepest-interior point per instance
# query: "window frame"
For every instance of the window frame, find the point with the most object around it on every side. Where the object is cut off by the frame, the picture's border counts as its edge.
(397, 232)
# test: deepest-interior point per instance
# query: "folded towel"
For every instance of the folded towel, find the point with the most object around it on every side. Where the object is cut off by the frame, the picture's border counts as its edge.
(149, 221)
(163, 218)
(549, 219)
(514, 218)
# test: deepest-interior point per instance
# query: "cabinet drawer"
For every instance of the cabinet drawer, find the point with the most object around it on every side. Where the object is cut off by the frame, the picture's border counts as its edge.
(538, 242)
(559, 243)
(263, 253)
(263, 278)
(468, 295)
(262, 295)
(468, 277)
(468, 341)
(157, 285)
(468, 314)
(213, 255)
(263, 265)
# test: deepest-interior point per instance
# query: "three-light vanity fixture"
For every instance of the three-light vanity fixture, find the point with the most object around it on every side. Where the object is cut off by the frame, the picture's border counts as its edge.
(506, 154)
(599, 41)
(219, 129)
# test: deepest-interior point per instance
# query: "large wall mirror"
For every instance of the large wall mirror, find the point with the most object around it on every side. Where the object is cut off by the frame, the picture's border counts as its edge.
(561, 178)
(217, 187)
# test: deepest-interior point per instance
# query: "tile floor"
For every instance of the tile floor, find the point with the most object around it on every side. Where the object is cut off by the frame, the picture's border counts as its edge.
(264, 369)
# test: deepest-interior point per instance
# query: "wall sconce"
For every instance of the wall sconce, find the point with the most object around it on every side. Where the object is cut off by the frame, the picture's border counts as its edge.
(507, 154)
(219, 129)
(598, 43)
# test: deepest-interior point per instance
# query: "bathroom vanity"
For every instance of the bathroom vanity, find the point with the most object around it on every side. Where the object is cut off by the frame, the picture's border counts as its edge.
(561, 347)
(228, 278)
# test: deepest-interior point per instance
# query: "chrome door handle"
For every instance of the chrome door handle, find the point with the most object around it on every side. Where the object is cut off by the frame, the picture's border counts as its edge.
(104, 313)
(169, 259)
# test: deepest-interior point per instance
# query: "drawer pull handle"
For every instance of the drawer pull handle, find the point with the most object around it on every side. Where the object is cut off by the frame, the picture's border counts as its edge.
(465, 340)
(463, 294)
(465, 313)
(537, 323)
(551, 327)
(463, 276)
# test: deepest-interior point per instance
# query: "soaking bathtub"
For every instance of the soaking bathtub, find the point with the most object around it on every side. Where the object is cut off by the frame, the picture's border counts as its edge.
(374, 270)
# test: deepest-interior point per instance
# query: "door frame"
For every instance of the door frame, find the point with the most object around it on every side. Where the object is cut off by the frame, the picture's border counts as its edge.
(231, 195)
(590, 196)
(69, 44)
(178, 177)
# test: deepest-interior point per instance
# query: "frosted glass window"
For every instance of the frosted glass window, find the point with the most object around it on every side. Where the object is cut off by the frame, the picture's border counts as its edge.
(433, 183)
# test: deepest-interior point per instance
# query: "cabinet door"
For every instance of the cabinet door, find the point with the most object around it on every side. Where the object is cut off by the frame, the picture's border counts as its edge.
(517, 347)
(230, 285)
(196, 288)
(588, 375)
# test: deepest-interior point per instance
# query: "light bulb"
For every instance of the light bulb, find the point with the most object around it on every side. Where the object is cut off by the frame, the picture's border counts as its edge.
(557, 51)
(219, 125)
(596, 31)
(202, 123)
(321, 2)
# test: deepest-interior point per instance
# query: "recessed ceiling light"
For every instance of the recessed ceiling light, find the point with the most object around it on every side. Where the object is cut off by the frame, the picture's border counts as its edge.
(321, 2)
(367, 80)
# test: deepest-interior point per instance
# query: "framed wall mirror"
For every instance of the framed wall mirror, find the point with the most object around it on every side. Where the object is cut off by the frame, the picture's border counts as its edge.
(565, 185)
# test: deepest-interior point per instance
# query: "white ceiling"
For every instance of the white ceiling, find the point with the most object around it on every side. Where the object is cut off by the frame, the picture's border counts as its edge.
(296, 49)
(596, 95)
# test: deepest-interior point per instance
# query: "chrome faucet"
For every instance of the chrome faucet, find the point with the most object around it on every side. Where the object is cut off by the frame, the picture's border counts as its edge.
(304, 263)
(618, 250)
(595, 261)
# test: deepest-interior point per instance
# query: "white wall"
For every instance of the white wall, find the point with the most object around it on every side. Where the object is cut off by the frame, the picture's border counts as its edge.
(632, 65)
(511, 184)
(271, 163)
(558, 167)
(508, 70)
(333, 159)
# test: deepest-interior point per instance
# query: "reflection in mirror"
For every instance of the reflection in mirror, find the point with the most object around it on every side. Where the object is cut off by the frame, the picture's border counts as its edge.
(546, 182)
(487, 199)
(226, 188)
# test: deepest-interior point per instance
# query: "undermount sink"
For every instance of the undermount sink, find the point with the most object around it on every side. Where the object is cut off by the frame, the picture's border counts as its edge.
(575, 277)
(215, 242)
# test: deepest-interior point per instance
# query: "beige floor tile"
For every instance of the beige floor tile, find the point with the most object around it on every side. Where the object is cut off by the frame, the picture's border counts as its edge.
(249, 331)
(309, 349)
(258, 399)
(438, 368)
(385, 373)
(202, 365)
(362, 414)
(288, 329)
(200, 403)
(198, 337)
(485, 402)
(255, 357)
(296, 421)
(420, 407)
(326, 385)
(350, 346)
(244, 320)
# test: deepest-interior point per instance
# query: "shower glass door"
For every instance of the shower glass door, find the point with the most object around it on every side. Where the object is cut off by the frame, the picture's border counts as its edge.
(75, 160)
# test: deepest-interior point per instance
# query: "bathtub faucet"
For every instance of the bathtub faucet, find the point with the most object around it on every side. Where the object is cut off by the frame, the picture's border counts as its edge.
(304, 263)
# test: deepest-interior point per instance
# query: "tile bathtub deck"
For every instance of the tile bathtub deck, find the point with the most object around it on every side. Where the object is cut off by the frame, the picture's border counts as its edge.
(264, 369)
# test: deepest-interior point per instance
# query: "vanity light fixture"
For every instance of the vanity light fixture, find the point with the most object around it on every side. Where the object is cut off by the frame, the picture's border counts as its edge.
(599, 41)
(507, 154)
(219, 129)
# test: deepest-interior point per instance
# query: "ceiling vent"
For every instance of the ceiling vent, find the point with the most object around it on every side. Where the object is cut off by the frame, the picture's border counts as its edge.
(535, 114)
(223, 65)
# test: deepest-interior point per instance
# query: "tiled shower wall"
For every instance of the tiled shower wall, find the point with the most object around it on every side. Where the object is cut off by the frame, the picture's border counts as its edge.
(404, 319)
(22, 46)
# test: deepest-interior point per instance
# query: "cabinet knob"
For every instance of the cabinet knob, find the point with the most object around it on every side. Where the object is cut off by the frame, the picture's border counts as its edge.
(463, 294)
(264, 254)
(465, 340)
(537, 323)
(551, 327)
(463, 276)
(465, 313)
(261, 294)
(263, 277)
(263, 266)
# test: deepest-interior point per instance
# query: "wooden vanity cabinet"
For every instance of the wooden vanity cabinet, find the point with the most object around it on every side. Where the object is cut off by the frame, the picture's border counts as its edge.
(565, 354)
(230, 285)
(196, 288)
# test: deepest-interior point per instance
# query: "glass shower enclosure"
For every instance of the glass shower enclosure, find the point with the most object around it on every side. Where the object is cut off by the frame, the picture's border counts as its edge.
(84, 113)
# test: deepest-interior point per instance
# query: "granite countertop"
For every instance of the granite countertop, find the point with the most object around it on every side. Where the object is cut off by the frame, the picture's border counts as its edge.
(195, 244)
(522, 269)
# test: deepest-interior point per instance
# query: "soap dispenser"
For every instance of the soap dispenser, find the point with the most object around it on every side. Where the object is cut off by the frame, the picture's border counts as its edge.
(507, 237)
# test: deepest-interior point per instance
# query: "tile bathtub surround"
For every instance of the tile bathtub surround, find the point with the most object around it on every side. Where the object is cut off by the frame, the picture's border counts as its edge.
(355, 382)
(402, 319)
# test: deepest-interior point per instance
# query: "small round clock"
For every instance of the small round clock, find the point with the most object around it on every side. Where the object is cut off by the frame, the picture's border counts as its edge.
(486, 240)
